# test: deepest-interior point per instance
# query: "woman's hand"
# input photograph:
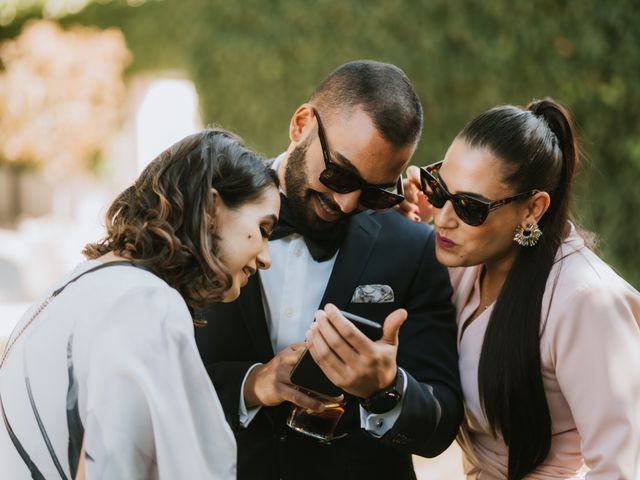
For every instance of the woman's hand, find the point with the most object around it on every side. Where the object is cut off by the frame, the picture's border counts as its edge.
(416, 207)
(80, 474)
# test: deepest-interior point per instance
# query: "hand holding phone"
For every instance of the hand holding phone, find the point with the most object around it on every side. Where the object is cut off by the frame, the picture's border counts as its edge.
(308, 375)
(269, 385)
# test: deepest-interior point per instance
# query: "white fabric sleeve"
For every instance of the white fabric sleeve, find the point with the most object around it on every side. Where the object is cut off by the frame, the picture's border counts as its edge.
(246, 415)
(377, 424)
(596, 345)
(151, 410)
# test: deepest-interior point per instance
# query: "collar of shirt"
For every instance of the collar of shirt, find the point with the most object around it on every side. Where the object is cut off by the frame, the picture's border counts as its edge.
(292, 288)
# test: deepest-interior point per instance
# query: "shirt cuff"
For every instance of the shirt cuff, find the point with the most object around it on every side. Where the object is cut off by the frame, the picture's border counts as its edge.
(377, 424)
(246, 414)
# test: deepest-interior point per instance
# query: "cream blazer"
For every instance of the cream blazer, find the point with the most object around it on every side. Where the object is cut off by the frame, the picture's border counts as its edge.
(112, 361)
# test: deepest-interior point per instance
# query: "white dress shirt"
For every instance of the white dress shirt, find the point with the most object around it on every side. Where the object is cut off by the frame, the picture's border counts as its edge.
(292, 290)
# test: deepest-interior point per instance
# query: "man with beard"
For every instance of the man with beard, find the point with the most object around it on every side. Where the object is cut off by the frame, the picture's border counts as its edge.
(340, 244)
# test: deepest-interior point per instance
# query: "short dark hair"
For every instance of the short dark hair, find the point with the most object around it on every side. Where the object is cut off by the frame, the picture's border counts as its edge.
(166, 221)
(536, 148)
(382, 90)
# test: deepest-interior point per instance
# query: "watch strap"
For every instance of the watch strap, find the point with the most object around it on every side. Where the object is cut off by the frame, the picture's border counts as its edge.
(385, 400)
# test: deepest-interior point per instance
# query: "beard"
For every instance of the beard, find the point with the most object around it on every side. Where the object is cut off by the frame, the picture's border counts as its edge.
(300, 199)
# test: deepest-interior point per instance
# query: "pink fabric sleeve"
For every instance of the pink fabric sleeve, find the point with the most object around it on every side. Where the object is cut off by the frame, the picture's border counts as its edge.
(595, 344)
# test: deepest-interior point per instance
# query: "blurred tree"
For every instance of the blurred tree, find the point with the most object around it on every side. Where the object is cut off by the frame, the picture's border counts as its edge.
(60, 98)
(11, 10)
(254, 61)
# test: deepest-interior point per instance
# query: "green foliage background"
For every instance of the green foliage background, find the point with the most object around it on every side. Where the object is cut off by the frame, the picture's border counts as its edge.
(254, 61)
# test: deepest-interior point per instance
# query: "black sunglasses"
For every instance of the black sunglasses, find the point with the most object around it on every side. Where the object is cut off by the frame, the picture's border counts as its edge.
(472, 211)
(340, 180)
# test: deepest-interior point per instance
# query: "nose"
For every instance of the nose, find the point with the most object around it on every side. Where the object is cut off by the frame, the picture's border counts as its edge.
(347, 202)
(263, 260)
(445, 217)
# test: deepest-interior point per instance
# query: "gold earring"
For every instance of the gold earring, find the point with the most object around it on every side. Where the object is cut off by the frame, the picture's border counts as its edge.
(527, 236)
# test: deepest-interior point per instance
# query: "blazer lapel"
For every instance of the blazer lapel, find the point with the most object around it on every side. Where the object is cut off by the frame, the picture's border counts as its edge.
(252, 311)
(352, 258)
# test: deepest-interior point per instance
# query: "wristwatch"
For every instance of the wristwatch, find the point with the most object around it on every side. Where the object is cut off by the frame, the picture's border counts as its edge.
(385, 400)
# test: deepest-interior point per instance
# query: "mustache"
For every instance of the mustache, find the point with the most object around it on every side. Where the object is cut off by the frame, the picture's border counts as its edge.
(331, 204)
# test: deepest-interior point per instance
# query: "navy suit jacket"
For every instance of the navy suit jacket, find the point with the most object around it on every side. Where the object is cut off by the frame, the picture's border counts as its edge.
(379, 248)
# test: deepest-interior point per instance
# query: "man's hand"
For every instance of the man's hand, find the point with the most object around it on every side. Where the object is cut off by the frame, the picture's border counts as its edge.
(350, 360)
(269, 385)
(415, 207)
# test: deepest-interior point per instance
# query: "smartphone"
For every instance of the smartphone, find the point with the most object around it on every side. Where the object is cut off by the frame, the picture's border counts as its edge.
(308, 375)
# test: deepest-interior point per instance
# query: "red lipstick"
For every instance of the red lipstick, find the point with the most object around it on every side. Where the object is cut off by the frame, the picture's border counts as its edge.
(444, 242)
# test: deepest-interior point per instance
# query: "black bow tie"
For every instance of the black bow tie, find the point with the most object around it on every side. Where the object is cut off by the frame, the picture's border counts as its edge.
(322, 246)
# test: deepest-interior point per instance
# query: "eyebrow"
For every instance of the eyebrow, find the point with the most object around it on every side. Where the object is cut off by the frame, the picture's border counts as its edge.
(468, 194)
(346, 163)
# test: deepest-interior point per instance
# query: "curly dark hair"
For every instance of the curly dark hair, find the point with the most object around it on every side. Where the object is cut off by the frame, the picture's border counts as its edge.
(166, 220)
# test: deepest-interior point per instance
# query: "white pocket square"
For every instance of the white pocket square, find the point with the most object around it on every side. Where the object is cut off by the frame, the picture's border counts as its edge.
(373, 294)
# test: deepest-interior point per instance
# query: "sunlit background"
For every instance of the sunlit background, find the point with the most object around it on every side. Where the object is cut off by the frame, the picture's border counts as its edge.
(92, 90)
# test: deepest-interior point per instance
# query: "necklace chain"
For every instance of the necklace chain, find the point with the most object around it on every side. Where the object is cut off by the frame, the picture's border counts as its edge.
(42, 306)
(483, 302)
(483, 295)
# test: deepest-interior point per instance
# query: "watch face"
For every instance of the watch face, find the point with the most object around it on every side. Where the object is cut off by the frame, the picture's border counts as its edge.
(382, 402)
(385, 400)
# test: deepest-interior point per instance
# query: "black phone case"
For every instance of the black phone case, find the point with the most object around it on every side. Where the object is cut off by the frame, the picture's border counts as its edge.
(307, 374)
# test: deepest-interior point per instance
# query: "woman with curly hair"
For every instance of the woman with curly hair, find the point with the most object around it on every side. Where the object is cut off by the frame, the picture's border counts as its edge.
(105, 362)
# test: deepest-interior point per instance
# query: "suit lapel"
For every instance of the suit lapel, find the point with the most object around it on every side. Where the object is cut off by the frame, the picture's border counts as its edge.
(352, 258)
(252, 311)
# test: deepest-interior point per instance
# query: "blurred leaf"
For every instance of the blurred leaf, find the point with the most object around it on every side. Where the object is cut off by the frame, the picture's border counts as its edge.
(253, 62)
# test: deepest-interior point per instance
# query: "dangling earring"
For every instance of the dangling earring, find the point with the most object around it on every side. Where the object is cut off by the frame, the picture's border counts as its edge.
(527, 236)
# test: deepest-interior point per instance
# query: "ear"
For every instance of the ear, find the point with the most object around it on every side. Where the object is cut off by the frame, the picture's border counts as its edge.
(536, 207)
(220, 209)
(302, 120)
(216, 208)
(217, 199)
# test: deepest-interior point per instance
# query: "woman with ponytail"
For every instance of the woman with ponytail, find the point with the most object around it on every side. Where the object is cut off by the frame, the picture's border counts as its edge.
(548, 334)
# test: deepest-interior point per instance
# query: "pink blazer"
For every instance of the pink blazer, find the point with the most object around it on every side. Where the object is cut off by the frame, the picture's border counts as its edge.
(590, 349)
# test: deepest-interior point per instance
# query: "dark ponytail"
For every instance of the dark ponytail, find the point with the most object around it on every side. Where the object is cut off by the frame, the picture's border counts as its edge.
(538, 149)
